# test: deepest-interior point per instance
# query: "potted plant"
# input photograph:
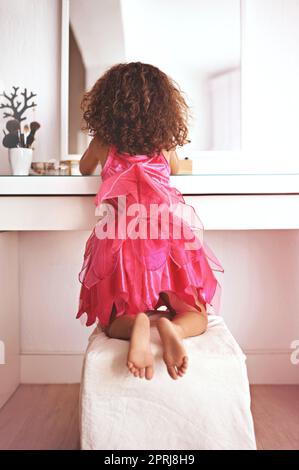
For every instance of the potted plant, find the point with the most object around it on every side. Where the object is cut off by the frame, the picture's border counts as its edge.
(18, 141)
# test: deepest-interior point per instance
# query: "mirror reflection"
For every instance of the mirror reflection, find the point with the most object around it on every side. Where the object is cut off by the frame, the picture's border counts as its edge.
(195, 42)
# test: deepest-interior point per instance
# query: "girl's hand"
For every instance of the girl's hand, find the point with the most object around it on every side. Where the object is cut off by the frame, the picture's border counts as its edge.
(95, 153)
(174, 162)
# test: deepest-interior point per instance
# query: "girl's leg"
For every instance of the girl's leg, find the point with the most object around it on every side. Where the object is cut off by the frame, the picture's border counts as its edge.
(185, 322)
(121, 327)
(137, 330)
(191, 323)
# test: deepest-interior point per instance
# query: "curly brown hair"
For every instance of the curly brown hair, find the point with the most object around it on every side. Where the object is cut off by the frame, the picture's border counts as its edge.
(137, 108)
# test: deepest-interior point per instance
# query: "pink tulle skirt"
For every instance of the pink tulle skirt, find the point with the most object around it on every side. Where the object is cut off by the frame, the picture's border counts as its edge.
(131, 275)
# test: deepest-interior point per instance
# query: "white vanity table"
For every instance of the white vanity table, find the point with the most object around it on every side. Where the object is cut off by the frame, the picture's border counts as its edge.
(223, 202)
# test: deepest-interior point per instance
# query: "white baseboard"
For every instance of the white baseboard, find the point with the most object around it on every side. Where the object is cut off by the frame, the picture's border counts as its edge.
(51, 368)
(264, 367)
(271, 367)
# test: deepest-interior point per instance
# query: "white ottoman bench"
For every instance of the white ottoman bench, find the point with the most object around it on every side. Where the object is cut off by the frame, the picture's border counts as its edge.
(208, 408)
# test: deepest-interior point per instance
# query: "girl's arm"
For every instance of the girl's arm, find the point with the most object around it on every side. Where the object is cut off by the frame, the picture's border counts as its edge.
(174, 162)
(95, 153)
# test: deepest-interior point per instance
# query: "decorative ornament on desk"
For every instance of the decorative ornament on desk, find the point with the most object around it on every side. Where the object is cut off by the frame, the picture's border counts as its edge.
(19, 143)
(185, 166)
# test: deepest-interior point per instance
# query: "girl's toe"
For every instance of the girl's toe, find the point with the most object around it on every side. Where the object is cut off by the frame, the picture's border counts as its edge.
(172, 372)
(141, 373)
(184, 363)
(149, 372)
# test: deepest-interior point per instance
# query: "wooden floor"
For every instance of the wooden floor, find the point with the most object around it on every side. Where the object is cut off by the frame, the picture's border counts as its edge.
(41, 417)
(46, 417)
(275, 410)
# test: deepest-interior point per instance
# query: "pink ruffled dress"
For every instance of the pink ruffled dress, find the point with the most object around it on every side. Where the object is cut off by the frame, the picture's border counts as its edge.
(147, 242)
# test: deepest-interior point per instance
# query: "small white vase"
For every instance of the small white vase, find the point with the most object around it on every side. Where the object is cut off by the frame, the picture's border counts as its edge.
(20, 160)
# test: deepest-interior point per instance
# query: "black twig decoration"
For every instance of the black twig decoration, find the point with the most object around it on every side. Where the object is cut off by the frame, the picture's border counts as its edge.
(16, 136)
(16, 112)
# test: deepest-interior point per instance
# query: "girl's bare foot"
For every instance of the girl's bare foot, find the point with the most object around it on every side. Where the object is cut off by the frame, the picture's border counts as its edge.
(140, 359)
(174, 353)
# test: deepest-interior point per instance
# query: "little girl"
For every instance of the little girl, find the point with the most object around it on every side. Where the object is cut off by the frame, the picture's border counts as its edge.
(137, 116)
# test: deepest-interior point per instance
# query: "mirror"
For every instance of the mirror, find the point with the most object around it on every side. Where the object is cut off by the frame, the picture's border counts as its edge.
(196, 42)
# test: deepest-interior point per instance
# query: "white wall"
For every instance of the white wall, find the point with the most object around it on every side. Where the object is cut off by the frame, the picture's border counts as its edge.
(9, 315)
(30, 57)
(49, 265)
(270, 80)
(225, 117)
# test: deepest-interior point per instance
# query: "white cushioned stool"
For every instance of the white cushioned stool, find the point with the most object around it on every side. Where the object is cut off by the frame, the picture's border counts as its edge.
(208, 408)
